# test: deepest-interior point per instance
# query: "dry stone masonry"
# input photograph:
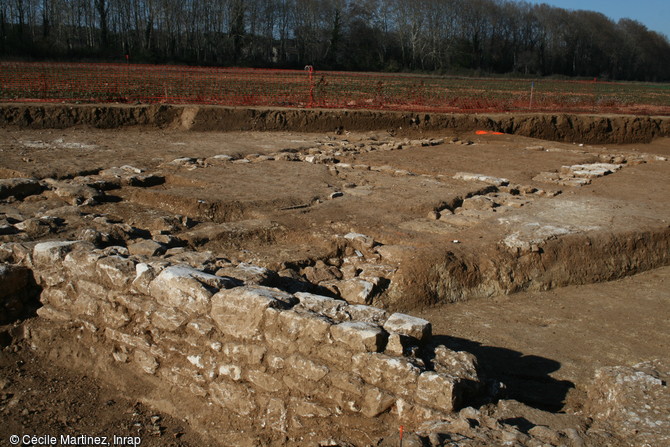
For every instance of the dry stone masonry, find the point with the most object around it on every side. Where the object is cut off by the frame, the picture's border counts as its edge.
(249, 349)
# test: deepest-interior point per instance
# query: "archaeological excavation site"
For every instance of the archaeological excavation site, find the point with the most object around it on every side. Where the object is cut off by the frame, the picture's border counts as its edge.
(215, 276)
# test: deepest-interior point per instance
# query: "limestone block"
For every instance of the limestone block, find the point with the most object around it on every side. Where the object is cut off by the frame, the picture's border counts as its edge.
(356, 291)
(249, 274)
(369, 314)
(81, 264)
(145, 273)
(347, 382)
(398, 345)
(276, 362)
(634, 400)
(74, 194)
(376, 402)
(147, 247)
(182, 377)
(329, 307)
(413, 414)
(264, 381)
(496, 181)
(323, 273)
(57, 298)
(360, 241)
(306, 368)
(181, 287)
(116, 272)
(233, 372)
(371, 271)
(415, 327)
(127, 339)
(301, 327)
(397, 375)
(276, 415)
(92, 289)
(234, 397)
(52, 253)
(333, 355)
(139, 305)
(478, 203)
(298, 386)
(84, 306)
(112, 315)
(343, 400)
(306, 409)
(50, 313)
(200, 327)
(16, 253)
(145, 361)
(438, 391)
(239, 312)
(359, 336)
(349, 271)
(195, 360)
(455, 363)
(244, 353)
(50, 277)
(168, 318)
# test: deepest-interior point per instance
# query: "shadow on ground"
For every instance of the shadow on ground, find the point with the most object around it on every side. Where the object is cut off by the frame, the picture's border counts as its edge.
(526, 378)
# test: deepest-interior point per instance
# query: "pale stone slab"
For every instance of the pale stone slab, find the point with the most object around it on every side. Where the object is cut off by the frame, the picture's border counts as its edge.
(239, 312)
(359, 336)
(408, 325)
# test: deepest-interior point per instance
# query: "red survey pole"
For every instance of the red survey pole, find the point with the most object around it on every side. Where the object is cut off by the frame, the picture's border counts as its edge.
(310, 70)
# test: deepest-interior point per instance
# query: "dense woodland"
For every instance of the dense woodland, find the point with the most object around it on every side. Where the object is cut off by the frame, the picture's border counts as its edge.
(476, 37)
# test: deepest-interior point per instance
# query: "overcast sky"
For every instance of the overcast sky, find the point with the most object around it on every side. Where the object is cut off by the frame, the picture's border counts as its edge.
(655, 14)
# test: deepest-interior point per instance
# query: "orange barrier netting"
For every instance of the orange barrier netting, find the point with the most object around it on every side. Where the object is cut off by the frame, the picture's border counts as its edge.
(130, 83)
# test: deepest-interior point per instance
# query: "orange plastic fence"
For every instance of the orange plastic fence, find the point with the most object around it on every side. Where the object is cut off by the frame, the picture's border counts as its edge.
(130, 83)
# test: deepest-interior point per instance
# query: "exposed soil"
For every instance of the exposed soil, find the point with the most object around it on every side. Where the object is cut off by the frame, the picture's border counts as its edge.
(40, 399)
(613, 129)
(458, 247)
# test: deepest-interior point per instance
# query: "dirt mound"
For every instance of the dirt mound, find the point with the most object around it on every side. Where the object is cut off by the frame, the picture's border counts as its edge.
(592, 129)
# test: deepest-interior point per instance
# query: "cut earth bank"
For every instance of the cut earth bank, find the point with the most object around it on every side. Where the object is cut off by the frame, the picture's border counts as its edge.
(395, 218)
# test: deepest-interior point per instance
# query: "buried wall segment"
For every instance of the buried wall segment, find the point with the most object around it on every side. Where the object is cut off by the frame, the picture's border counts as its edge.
(256, 351)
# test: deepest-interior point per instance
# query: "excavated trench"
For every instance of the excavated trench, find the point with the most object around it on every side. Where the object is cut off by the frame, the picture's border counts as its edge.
(285, 266)
(592, 129)
(425, 271)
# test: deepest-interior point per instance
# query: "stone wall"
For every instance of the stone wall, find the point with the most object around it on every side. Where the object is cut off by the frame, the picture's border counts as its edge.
(259, 352)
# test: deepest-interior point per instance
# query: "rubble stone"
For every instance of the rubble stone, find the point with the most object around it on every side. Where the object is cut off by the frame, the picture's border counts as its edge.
(415, 327)
(359, 336)
(239, 312)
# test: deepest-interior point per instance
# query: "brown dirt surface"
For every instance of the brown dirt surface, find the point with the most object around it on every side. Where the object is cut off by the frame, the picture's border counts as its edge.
(38, 399)
(547, 345)
(515, 273)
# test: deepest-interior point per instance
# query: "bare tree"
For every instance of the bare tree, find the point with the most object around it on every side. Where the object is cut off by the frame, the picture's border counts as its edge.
(448, 36)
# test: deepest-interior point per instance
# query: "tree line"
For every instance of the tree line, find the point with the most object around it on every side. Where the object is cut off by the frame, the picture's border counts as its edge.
(466, 37)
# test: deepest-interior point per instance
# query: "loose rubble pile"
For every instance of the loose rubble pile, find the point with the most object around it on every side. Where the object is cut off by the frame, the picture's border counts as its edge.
(583, 174)
(634, 401)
